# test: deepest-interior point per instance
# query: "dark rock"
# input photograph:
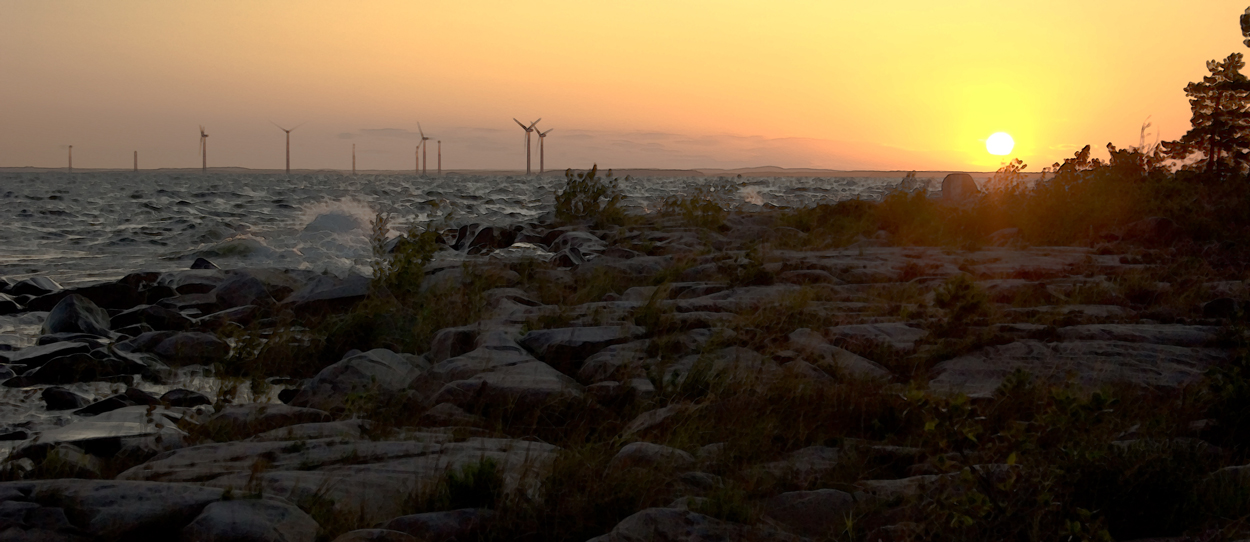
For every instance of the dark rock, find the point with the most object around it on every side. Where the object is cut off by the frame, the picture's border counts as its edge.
(463, 524)
(155, 294)
(242, 316)
(77, 314)
(11, 435)
(140, 397)
(6, 284)
(241, 421)
(96, 342)
(205, 303)
(184, 398)
(198, 281)
(251, 520)
(326, 295)
(569, 257)
(201, 263)
(958, 187)
(123, 510)
(108, 404)
(379, 372)
(153, 315)
(674, 525)
(810, 513)
(57, 398)
(78, 368)
(452, 342)
(566, 349)
(145, 342)
(8, 305)
(493, 237)
(287, 395)
(109, 295)
(191, 348)
(141, 280)
(35, 356)
(241, 290)
(1224, 307)
(34, 286)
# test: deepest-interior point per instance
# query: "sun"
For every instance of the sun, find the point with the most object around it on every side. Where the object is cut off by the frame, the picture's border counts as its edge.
(1000, 143)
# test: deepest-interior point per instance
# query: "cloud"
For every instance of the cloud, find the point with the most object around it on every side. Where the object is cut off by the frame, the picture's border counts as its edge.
(347, 135)
(398, 133)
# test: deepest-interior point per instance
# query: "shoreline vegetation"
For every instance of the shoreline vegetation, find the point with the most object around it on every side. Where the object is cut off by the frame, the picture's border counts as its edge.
(1065, 359)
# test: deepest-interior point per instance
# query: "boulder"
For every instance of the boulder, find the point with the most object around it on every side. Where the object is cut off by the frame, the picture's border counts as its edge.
(367, 479)
(449, 415)
(614, 362)
(1224, 307)
(452, 342)
(326, 294)
(36, 356)
(566, 348)
(79, 368)
(192, 348)
(34, 286)
(57, 398)
(1091, 363)
(379, 372)
(734, 363)
(77, 314)
(452, 525)
(240, 290)
(202, 263)
(898, 336)
(832, 359)
(8, 305)
(251, 520)
(820, 513)
(184, 398)
(650, 456)
(344, 429)
(959, 187)
(580, 240)
(804, 466)
(492, 237)
(241, 316)
(160, 318)
(121, 510)
(108, 295)
(525, 386)
(674, 525)
(241, 421)
(107, 430)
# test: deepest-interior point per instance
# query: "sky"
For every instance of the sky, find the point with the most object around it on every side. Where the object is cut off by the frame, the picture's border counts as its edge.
(881, 85)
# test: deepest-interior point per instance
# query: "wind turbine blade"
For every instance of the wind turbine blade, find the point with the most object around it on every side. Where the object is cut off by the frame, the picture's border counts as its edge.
(518, 123)
(298, 125)
(533, 123)
(420, 131)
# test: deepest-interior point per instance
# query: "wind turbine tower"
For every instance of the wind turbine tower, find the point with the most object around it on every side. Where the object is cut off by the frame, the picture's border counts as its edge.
(542, 136)
(203, 150)
(425, 155)
(527, 129)
(71, 158)
(136, 161)
(353, 158)
(288, 144)
(440, 158)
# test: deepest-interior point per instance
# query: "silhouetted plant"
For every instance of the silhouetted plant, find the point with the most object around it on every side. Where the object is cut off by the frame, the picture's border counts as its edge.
(586, 196)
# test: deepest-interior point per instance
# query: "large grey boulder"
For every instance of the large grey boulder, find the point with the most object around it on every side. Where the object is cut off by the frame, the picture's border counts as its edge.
(649, 456)
(674, 525)
(192, 348)
(897, 336)
(77, 314)
(525, 386)
(832, 359)
(615, 362)
(120, 509)
(251, 520)
(240, 290)
(242, 421)
(379, 372)
(566, 348)
(1092, 363)
(373, 477)
(820, 513)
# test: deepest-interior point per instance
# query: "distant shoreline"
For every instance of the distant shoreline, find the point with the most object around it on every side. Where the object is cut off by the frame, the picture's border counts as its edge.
(766, 171)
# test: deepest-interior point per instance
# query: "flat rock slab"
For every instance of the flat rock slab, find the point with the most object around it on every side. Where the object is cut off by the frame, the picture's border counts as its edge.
(375, 477)
(1175, 335)
(900, 337)
(566, 348)
(251, 519)
(242, 421)
(1092, 363)
(524, 386)
(118, 510)
(378, 371)
(131, 421)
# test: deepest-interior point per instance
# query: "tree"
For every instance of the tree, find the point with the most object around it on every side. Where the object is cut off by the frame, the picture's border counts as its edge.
(1220, 130)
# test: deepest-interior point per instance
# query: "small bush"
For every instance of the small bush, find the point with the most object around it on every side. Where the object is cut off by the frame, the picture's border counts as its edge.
(589, 197)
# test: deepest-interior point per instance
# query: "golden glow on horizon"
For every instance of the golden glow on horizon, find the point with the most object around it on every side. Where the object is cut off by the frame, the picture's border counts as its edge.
(696, 83)
(999, 144)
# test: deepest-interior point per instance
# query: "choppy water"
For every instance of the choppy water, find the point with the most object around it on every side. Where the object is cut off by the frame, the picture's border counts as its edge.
(84, 227)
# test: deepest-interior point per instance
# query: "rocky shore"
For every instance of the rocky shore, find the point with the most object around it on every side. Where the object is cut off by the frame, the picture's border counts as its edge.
(654, 381)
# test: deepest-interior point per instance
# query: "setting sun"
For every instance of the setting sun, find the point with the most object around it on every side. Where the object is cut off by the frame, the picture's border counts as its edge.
(1000, 144)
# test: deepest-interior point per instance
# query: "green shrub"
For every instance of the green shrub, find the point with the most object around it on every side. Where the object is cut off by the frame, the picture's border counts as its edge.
(589, 197)
(704, 207)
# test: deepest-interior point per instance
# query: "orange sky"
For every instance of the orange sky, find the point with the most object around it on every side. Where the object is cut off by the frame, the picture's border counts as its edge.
(864, 85)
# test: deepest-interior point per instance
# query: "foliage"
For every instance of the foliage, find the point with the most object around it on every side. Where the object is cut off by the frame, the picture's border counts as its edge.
(586, 196)
(1220, 130)
(400, 270)
(704, 207)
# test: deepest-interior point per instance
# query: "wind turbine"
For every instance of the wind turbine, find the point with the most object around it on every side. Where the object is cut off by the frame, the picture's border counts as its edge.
(541, 137)
(527, 129)
(353, 158)
(440, 158)
(425, 156)
(71, 158)
(288, 143)
(203, 150)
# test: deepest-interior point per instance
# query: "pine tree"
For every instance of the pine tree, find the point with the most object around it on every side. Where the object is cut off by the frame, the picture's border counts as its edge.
(1221, 120)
